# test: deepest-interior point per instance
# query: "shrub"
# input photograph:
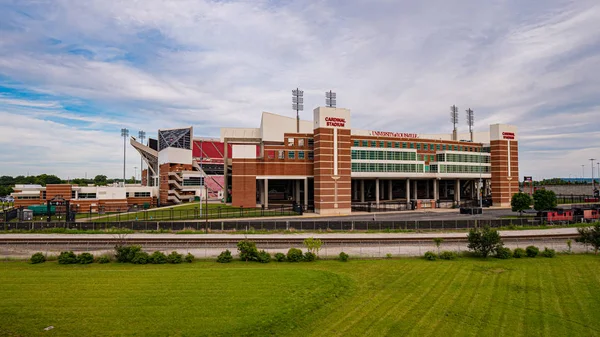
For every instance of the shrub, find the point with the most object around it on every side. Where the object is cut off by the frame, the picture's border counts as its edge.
(310, 256)
(126, 253)
(140, 257)
(67, 258)
(264, 257)
(294, 255)
(247, 250)
(532, 251)
(37, 258)
(503, 253)
(85, 258)
(519, 253)
(590, 236)
(280, 257)
(484, 241)
(175, 258)
(103, 259)
(343, 257)
(430, 256)
(448, 255)
(158, 257)
(313, 245)
(189, 258)
(548, 252)
(225, 257)
(388, 255)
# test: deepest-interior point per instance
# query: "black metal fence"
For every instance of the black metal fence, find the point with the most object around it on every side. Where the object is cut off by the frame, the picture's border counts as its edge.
(283, 225)
(574, 198)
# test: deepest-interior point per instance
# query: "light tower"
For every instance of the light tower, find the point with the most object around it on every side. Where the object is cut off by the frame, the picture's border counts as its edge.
(470, 121)
(593, 184)
(330, 99)
(454, 120)
(298, 105)
(124, 134)
(141, 137)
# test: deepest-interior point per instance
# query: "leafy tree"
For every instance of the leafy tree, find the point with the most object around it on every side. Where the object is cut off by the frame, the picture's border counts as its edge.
(45, 179)
(544, 200)
(438, 243)
(313, 245)
(100, 180)
(520, 202)
(247, 250)
(7, 181)
(484, 241)
(590, 236)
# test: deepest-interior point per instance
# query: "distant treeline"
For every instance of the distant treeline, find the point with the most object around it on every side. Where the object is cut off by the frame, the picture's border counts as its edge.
(7, 182)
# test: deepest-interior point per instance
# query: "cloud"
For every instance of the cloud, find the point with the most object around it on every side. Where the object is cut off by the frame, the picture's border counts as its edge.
(89, 68)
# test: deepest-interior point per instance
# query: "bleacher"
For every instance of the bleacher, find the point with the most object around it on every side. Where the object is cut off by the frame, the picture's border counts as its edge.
(214, 185)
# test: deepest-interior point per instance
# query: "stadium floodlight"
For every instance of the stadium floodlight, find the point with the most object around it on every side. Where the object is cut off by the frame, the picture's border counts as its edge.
(454, 120)
(124, 134)
(298, 105)
(141, 136)
(470, 121)
(330, 99)
(593, 184)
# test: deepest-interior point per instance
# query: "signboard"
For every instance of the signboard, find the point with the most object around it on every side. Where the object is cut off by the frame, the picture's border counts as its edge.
(336, 122)
(528, 179)
(508, 135)
(393, 134)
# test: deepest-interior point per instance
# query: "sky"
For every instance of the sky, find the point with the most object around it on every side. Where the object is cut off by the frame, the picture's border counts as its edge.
(73, 73)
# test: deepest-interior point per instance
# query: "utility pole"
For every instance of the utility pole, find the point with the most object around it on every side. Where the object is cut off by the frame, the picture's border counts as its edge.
(124, 134)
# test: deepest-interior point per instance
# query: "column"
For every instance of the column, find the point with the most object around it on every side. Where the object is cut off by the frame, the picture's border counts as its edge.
(427, 187)
(354, 190)
(446, 189)
(297, 199)
(436, 194)
(266, 186)
(306, 192)
(407, 190)
(415, 195)
(457, 190)
(362, 190)
(261, 189)
(390, 189)
(377, 191)
(225, 173)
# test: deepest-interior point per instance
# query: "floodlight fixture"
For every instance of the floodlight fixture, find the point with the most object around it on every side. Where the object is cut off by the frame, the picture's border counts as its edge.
(330, 99)
(454, 120)
(298, 105)
(124, 134)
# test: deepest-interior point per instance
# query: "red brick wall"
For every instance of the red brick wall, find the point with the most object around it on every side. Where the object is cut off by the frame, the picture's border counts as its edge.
(323, 171)
(502, 187)
(244, 183)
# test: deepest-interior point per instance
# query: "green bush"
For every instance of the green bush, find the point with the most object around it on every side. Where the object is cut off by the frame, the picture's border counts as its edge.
(519, 253)
(310, 256)
(67, 258)
(343, 257)
(175, 258)
(37, 258)
(430, 256)
(280, 257)
(85, 258)
(503, 253)
(448, 255)
(158, 258)
(548, 252)
(388, 255)
(532, 251)
(484, 241)
(294, 255)
(264, 257)
(225, 257)
(125, 254)
(189, 258)
(140, 257)
(103, 259)
(247, 250)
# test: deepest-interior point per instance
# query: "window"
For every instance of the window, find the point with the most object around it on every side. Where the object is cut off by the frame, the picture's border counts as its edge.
(73, 194)
(193, 181)
(443, 147)
(301, 142)
(397, 145)
(290, 141)
(311, 142)
(373, 143)
(412, 145)
(356, 143)
(126, 194)
(291, 155)
(418, 146)
(437, 147)
(28, 197)
(300, 154)
(404, 145)
(44, 195)
(310, 155)
(280, 154)
(141, 194)
(87, 195)
(365, 143)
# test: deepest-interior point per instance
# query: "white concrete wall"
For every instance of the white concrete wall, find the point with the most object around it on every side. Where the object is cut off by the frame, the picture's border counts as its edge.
(239, 133)
(272, 126)
(243, 151)
(325, 117)
(174, 155)
(503, 132)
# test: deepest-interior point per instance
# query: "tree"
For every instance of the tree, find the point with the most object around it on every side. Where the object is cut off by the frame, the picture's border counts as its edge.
(247, 250)
(313, 245)
(520, 202)
(100, 180)
(544, 200)
(45, 179)
(484, 241)
(590, 236)
(7, 181)
(438, 243)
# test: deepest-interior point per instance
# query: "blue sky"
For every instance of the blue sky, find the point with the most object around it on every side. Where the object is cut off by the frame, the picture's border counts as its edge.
(73, 73)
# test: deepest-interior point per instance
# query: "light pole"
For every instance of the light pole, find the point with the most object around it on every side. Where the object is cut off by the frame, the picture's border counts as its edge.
(134, 175)
(298, 105)
(593, 185)
(124, 134)
(583, 173)
(141, 137)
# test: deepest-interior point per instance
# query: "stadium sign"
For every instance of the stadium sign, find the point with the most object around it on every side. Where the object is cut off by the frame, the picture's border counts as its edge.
(393, 134)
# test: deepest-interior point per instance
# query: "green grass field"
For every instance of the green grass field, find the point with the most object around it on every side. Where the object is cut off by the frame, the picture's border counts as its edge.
(407, 297)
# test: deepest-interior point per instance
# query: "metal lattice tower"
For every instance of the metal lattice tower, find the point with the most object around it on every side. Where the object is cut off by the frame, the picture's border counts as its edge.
(330, 99)
(454, 120)
(298, 105)
(470, 121)
(124, 134)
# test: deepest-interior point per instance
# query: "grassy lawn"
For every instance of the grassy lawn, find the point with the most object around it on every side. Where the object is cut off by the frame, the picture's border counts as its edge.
(407, 297)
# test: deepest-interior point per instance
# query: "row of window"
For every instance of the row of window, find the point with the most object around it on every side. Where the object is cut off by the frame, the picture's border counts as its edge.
(462, 158)
(418, 146)
(381, 167)
(383, 155)
(296, 154)
(193, 181)
(86, 196)
(300, 142)
(28, 197)
(459, 169)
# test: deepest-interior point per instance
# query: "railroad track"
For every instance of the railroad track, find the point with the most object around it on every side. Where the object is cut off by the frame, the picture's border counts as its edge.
(200, 241)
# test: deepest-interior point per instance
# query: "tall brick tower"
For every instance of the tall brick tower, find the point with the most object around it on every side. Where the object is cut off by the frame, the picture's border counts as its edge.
(332, 160)
(504, 149)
